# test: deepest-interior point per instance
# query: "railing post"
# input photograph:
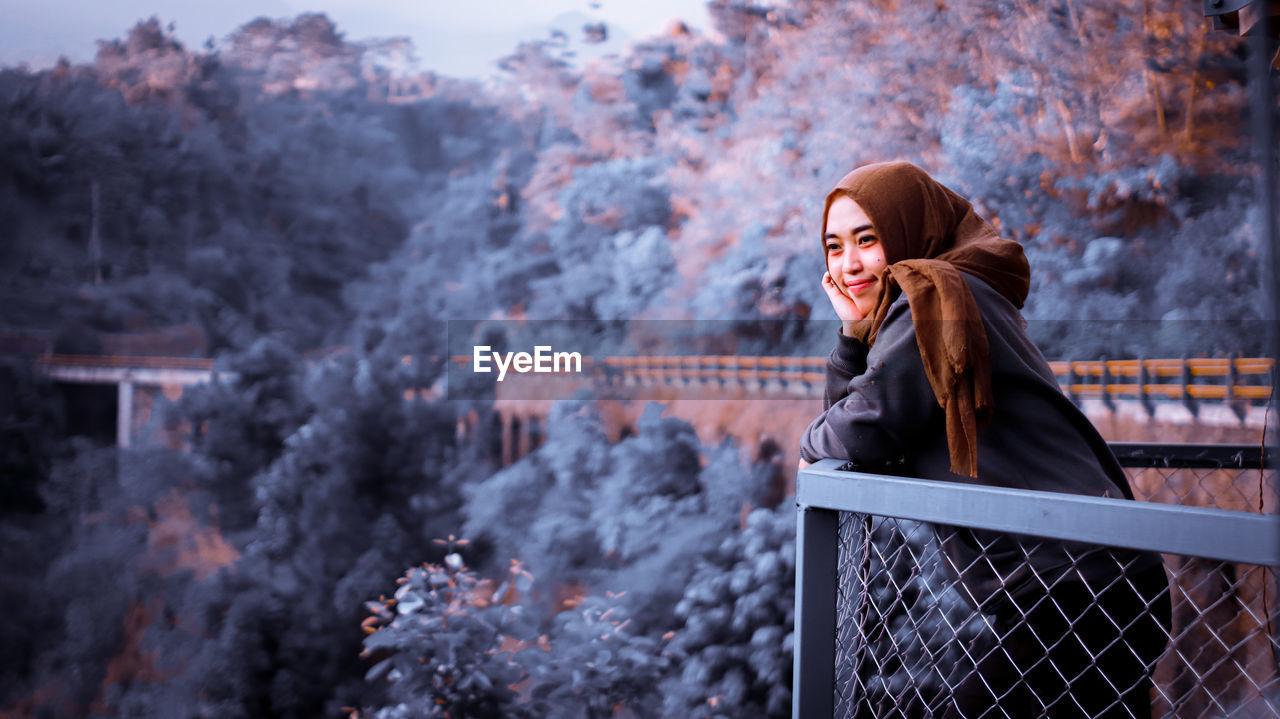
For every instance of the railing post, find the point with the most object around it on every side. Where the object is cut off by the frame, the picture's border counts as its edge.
(1143, 397)
(1237, 405)
(814, 648)
(1187, 400)
(1072, 380)
(1105, 379)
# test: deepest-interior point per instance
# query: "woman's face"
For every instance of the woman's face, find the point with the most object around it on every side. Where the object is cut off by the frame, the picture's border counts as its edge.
(855, 255)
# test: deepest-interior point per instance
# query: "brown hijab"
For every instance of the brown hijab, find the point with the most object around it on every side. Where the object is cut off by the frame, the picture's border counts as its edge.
(930, 235)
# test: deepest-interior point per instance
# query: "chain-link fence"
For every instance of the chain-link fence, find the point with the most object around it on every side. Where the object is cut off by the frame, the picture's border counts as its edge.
(966, 601)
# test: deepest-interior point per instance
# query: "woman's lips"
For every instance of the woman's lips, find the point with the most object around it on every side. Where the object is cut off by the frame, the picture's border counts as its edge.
(859, 286)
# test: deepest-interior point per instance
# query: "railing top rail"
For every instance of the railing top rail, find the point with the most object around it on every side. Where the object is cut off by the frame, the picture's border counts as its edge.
(1191, 531)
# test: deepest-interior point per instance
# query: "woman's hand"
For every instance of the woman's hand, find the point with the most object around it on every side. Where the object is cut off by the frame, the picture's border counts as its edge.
(803, 464)
(846, 310)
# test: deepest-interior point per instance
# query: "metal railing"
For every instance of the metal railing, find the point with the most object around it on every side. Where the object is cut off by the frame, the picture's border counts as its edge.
(892, 619)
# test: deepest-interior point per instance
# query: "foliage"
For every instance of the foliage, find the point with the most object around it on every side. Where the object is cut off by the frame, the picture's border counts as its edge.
(627, 516)
(337, 483)
(598, 664)
(450, 644)
(240, 424)
(453, 645)
(32, 421)
(83, 597)
(735, 646)
(356, 494)
(214, 192)
(611, 255)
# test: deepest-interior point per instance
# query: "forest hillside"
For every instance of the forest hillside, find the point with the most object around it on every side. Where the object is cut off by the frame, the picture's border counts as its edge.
(294, 205)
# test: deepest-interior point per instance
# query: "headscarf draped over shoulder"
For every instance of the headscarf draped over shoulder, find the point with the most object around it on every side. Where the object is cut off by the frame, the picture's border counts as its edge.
(930, 236)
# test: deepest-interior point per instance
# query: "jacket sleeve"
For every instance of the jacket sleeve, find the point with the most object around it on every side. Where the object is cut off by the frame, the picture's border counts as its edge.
(847, 360)
(878, 412)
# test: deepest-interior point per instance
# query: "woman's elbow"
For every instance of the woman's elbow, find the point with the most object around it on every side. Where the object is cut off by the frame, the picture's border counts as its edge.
(864, 445)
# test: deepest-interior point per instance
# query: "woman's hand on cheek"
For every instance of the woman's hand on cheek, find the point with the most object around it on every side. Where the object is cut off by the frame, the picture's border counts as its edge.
(846, 310)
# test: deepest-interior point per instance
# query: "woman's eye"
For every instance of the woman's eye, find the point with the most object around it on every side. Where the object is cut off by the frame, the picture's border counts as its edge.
(832, 247)
(867, 240)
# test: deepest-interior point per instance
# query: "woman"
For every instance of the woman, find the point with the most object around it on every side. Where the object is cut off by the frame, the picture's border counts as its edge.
(934, 376)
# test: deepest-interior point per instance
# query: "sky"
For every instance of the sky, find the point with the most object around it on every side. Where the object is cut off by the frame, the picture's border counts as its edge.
(463, 39)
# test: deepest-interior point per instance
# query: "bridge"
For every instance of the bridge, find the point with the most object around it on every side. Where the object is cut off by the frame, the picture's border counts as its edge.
(1237, 384)
(127, 373)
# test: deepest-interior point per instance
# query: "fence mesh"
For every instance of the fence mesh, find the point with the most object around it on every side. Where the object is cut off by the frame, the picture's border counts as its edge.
(1082, 630)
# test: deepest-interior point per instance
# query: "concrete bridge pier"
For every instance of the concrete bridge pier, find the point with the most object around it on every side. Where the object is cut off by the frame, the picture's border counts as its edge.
(124, 412)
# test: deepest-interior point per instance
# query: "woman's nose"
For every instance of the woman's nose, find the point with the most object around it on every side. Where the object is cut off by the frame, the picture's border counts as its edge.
(852, 263)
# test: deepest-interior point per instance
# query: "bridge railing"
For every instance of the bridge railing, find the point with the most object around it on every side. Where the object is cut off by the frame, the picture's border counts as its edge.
(885, 626)
(1242, 378)
(1238, 381)
(125, 361)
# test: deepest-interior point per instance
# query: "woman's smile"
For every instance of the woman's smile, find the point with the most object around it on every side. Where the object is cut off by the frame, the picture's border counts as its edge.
(860, 285)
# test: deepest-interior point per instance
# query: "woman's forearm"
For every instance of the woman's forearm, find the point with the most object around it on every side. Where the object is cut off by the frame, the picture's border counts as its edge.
(847, 360)
(886, 401)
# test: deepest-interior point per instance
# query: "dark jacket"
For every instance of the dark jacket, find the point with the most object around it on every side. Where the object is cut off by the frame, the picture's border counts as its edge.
(880, 411)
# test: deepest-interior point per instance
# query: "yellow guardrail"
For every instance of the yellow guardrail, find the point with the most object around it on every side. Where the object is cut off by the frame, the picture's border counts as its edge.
(1246, 378)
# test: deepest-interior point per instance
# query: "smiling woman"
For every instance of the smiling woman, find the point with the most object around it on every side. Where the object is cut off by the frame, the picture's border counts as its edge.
(933, 376)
